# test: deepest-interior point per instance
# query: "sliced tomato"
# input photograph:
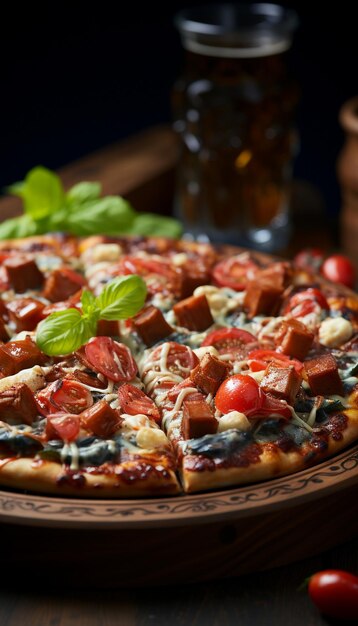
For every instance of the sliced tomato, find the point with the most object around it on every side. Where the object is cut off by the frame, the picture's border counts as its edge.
(160, 275)
(134, 401)
(62, 426)
(309, 259)
(234, 272)
(179, 359)
(111, 358)
(174, 392)
(64, 395)
(259, 359)
(304, 302)
(242, 393)
(233, 341)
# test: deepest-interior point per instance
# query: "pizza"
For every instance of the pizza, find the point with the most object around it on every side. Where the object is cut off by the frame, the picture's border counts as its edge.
(235, 368)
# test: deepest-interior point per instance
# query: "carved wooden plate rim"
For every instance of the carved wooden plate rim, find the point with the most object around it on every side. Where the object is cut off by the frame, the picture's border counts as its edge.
(336, 473)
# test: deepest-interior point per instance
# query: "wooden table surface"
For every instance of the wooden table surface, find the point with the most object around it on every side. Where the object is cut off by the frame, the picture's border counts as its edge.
(137, 169)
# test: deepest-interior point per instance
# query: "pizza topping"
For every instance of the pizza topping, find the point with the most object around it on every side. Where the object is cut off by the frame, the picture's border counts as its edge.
(17, 405)
(234, 419)
(209, 374)
(323, 376)
(234, 342)
(193, 277)
(23, 273)
(62, 283)
(198, 419)
(62, 426)
(259, 359)
(194, 313)
(335, 331)
(100, 419)
(17, 355)
(33, 377)
(134, 401)
(111, 358)
(235, 271)
(149, 438)
(3, 332)
(262, 297)
(294, 339)
(151, 325)
(25, 313)
(303, 303)
(281, 382)
(243, 394)
(64, 395)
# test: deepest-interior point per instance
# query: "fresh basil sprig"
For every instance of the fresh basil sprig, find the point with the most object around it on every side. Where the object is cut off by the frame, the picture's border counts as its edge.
(64, 332)
(80, 211)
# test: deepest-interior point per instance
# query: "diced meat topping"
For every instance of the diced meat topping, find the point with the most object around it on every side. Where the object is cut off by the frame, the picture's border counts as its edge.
(18, 405)
(62, 283)
(18, 355)
(100, 419)
(26, 313)
(281, 382)
(151, 325)
(294, 339)
(198, 419)
(193, 277)
(3, 333)
(23, 273)
(209, 374)
(194, 313)
(323, 376)
(262, 297)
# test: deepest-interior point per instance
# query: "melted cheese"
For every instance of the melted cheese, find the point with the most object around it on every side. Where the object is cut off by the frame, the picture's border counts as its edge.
(33, 377)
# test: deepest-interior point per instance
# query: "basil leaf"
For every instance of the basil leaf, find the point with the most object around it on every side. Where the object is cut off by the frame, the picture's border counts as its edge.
(155, 225)
(83, 192)
(22, 226)
(64, 332)
(111, 215)
(42, 192)
(122, 298)
(88, 301)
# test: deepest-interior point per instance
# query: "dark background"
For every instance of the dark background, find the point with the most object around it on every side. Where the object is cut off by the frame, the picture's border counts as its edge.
(78, 76)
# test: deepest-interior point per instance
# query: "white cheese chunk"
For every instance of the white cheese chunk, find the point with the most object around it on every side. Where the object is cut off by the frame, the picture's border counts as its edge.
(334, 331)
(149, 438)
(33, 377)
(234, 419)
(200, 352)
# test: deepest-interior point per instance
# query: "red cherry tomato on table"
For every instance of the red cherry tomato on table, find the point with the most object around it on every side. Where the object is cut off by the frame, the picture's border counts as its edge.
(259, 359)
(232, 341)
(309, 259)
(339, 269)
(335, 593)
(110, 358)
(234, 272)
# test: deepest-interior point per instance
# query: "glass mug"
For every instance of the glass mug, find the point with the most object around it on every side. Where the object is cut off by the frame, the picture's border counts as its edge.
(234, 109)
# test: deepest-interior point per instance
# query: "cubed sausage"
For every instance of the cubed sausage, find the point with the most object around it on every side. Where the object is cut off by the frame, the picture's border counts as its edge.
(323, 376)
(151, 325)
(198, 419)
(278, 274)
(281, 382)
(209, 374)
(193, 277)
(262, 297)
(62, 283)
(194, 313)
(26, 313)
(3, 333)
(100, 419)
(19, 355)
(23, 273)
(107, 328)
(18, 405)
(294, 339)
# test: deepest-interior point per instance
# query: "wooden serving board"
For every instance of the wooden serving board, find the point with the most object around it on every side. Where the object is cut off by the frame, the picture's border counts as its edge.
(186, 538)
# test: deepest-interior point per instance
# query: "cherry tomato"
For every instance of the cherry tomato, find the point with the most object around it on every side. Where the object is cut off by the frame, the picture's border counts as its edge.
(234, 272)
(110, 358)
(62, 426)
(174, 392)
(339, 269)
(239, 393)
(304, 302)
(335, 593)
(159, 274)
(309, 259)
(134, 401)
(64, 395)
(258, 360)
(233, 341)
(179, 359)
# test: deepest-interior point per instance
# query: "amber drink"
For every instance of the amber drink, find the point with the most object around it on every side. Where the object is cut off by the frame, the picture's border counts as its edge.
(234, 109)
